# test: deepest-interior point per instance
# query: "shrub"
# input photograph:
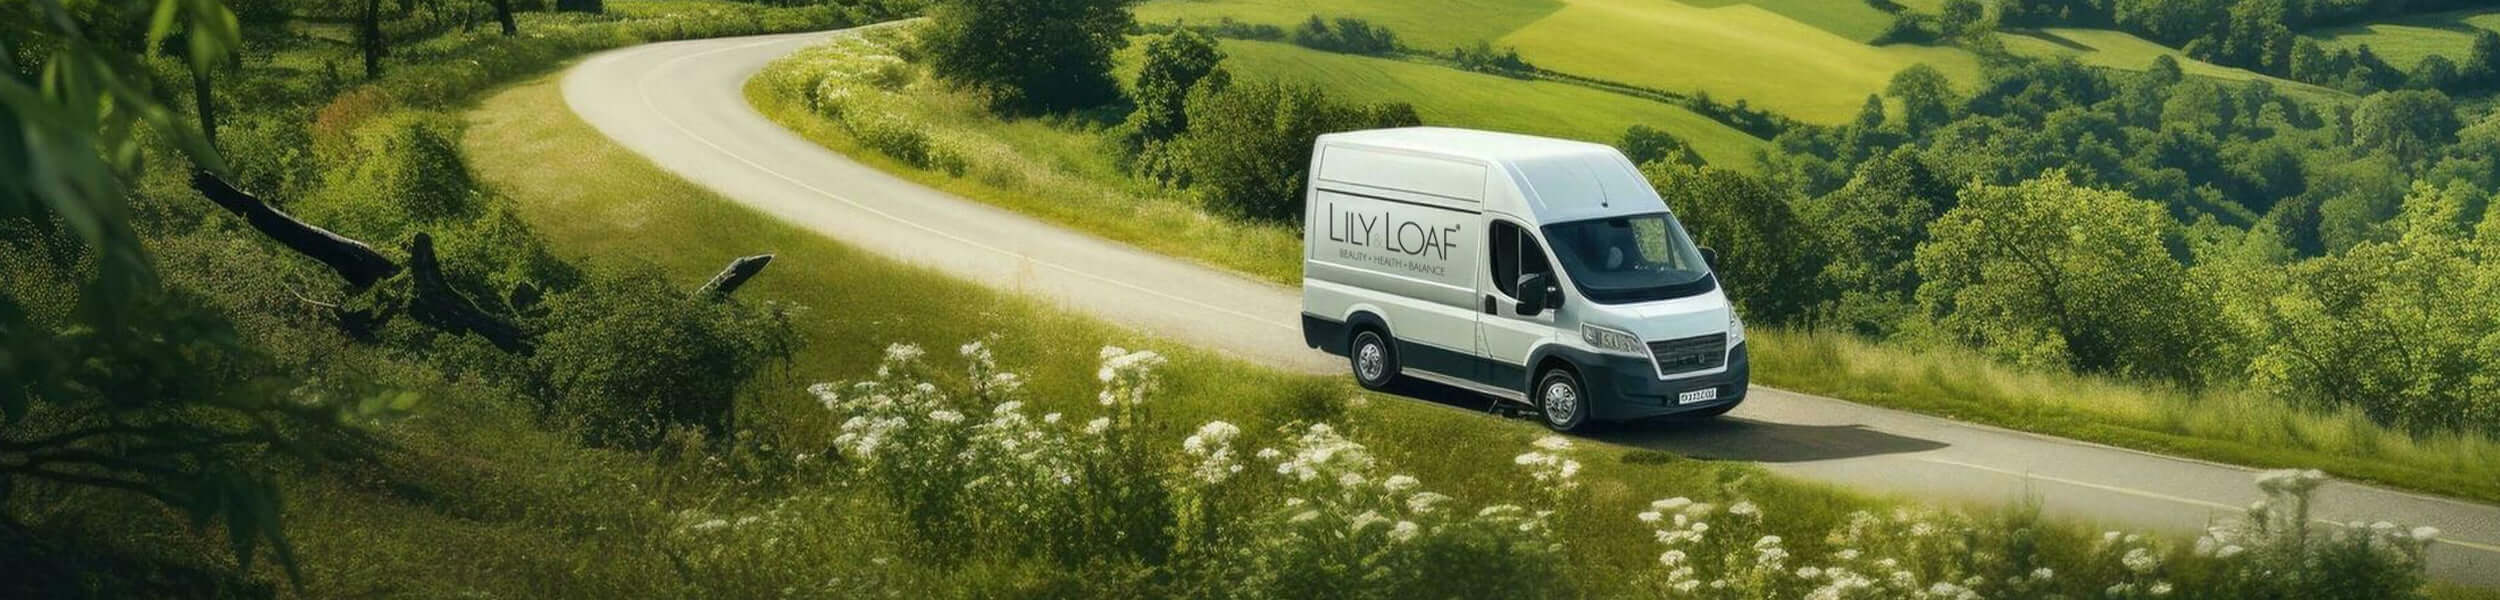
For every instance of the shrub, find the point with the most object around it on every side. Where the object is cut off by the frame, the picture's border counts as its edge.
(1483, 58)
(1034, 56)
(1249, 145)
(892, 135)
(634, 356)
(400, 172)
(1644, 144)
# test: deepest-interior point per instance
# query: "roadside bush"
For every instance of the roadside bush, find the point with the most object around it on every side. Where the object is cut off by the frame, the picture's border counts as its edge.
(891, 135)
(1249, 145)
(633, 356)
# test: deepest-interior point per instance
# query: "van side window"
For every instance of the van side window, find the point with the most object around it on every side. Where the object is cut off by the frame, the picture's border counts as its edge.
(1514, 253)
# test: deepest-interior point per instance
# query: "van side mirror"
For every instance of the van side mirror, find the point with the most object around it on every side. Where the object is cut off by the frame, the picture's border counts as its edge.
(1710, 257)
(1537, 293)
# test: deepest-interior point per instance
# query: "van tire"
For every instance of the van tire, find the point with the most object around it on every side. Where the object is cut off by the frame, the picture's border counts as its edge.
(1562, 402)
(1374, 358)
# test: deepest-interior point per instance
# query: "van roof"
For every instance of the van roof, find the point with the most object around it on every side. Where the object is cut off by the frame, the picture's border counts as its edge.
(1563, 180)
(1488, 146)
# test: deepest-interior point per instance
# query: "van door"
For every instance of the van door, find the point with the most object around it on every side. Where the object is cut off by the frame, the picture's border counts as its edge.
(1502, 336)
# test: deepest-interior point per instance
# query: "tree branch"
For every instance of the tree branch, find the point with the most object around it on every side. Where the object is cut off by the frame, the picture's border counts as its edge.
(733, 276)
(354, 261)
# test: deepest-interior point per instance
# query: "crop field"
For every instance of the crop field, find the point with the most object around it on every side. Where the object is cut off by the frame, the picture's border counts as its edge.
(2121, 50)
(1741, 52)
(2405, 41)
(1445, 96)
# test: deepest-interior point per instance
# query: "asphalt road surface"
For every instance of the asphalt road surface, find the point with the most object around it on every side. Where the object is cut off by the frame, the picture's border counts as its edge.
(682, 105)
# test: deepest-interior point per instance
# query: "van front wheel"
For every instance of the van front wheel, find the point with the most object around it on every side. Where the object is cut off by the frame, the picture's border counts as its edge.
(1375, 360)
(1564, 402)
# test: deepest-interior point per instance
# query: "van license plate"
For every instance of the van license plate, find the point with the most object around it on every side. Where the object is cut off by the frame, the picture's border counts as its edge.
(1700, 395)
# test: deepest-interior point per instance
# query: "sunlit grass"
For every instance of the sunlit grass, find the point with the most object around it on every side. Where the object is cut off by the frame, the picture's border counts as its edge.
(2405, 41)
(1735, 52)
(2123, 51)
(2219, 424)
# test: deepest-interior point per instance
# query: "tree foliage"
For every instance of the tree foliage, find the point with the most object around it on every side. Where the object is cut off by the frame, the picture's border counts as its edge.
(1248, 148)
(2047, 273)
(1174, 64)
(1031, 56)
(1768, 258)
(1644, 144)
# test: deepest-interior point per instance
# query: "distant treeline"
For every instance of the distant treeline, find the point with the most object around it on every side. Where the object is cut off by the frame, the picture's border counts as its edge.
(2260, 35)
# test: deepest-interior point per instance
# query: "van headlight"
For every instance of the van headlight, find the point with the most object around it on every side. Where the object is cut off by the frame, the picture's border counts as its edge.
(1735, 328)
(1611, 340)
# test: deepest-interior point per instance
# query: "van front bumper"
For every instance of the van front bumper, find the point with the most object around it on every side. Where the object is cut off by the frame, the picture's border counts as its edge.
(1628, 387)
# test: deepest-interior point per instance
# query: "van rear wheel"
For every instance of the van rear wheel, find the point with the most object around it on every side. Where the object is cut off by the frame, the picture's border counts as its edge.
(1562, 400)
(1375, 360)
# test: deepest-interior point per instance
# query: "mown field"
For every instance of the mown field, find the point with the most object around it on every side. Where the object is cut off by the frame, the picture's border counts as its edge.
(1805, 59)
(2403, 42)
(2124, 51)
(1445, 96)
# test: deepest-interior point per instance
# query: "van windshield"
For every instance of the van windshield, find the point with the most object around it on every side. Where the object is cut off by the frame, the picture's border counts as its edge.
(1638, 258)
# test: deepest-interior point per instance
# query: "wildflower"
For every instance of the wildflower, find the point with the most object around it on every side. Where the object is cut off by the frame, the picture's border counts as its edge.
(1671, 558)
(1671, 504)
(1365, 521)
(1098, 425)
(1403, 531)
(2159, 588)
(1008, 407)
(1744, 508)
(1305, 516)
(946, 416)
(2042, 574)
(900, 352)
(1553, 443)
(1425, 502)
(2140, 561)
(1269, 454)
(1350, 479)
(1648, 516)
(1051, 418)
(1400, 483)
(1768, 541)
(1809, 573)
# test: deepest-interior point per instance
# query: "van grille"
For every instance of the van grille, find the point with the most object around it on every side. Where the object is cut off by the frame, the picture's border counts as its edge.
(1695, 353)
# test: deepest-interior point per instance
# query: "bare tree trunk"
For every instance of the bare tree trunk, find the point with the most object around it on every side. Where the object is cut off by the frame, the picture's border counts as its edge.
(369, 38)
(442, 307)
(733, 276)
(433, 301)
(503, 15)
(354, 261)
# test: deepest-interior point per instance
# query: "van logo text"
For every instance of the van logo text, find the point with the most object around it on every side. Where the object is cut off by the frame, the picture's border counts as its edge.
(1383, 230)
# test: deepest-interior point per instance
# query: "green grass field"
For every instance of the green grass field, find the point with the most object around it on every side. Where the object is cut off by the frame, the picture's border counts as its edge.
(1445, 96)
(1854, 20)
(1803, 58)
(2124, 51)
(2403, 42)
(1738, 52)
(1434, 25)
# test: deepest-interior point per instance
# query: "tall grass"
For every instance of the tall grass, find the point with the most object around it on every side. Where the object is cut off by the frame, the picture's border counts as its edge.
(2221, 423)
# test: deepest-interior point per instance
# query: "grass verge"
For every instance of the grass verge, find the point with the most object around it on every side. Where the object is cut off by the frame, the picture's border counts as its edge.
(2223, 426)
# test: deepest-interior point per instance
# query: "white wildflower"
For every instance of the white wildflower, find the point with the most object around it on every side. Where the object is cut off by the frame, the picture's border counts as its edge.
(1098, 426)
(1744, 508)
(1403, 531)
(2140, 561)
(1400, 483)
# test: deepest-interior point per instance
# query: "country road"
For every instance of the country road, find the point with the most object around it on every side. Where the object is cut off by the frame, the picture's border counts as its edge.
(682, 105)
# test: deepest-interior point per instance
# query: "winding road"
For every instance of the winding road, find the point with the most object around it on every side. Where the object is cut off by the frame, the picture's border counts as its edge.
(682, 105)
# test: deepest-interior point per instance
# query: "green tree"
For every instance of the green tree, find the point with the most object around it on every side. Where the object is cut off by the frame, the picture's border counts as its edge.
(2046, 273)
(1174, 64)
(2408, 124)
(2435, 72)
(1926, 95)
(1644, 144)
(2481, 70)
(1768, 258)
(1248, 148)
(1962, 19)
(1031, 56)
(2401, 329)
(1873, 227)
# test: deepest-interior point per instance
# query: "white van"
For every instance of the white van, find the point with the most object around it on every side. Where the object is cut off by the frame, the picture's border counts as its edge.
(1530, 269)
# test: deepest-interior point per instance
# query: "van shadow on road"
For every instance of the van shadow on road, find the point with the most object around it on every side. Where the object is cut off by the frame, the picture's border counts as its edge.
(1723, 438)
